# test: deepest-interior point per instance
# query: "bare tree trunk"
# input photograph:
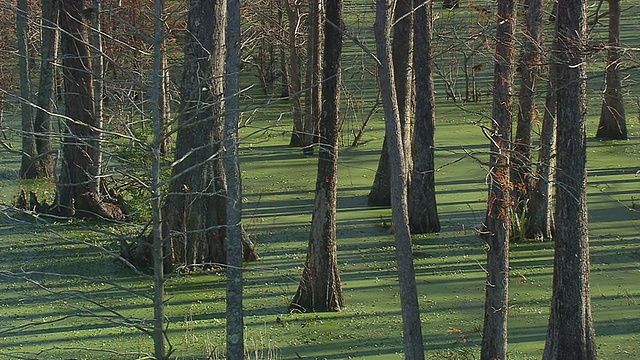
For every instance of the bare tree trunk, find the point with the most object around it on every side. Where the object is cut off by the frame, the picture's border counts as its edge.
(521, 157)
(320, 288)
(235, 322)
(77, 186)
(95, 39)
(540, 206)
(313, 96)
(402, 53)
(28, 168)
(284, 69)
(159, 346)
(380, 193)
(613, 125)
(498, 225)
(402, 48)
(571, 333)
(411, 328)
(423, 210)
(46, 89)
(165, 105)
(293, 17)
(195, 211)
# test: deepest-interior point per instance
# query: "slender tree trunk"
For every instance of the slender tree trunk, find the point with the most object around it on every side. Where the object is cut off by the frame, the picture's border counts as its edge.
(411, 328)
(95, 39)
(28, 168)
(320, 288)
(613, 125)
(156, 202)
(313, 96)
(540, 205)
(402, 53)
(293, 17)
(571, 334)
(165, 105)
(235, 322)
(423, 210)
(402, 48)
(284, 69)
(521, 157)
(498, 226)
(46, 89)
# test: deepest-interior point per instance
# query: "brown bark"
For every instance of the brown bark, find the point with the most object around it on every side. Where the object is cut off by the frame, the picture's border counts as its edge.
(613, 125)
(320, 288)
(423, 211)
(411, 326)
(498, 222)
(571, 334)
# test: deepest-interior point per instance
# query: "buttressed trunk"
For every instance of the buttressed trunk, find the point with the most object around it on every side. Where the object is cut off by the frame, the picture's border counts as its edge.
(77, 190)
(320, 288)
(195, 209)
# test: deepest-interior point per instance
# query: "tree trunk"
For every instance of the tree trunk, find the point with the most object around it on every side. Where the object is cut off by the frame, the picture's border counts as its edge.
(313, 96)
(402, 52)
(380, 193)
(235, 322)
(77, 188)
(423, 210)
(613, 125)
(411, 327)
(165, 104)
(540, 206)
(46, 89)
(498, 226)
(571, 334)
(284, 69)
(402, 48)
(28, 168)
(293, 17)
(98, 80)
(195, 211)
(157, 96)
(521, 156)
(320, 288)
